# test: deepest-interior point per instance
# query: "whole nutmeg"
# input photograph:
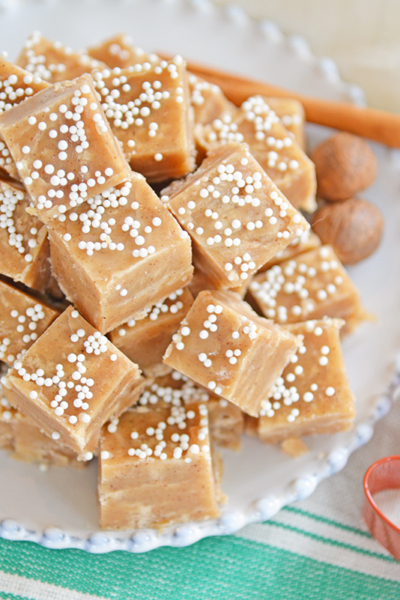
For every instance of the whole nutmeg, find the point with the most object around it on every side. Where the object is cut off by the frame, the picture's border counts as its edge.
(345, 165)
(353, 228)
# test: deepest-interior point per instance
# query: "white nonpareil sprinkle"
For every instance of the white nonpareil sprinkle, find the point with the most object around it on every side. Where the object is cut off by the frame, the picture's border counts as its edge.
(297, 287)
(68, 390)
(230, 209)
(166, 440)
(22, 240)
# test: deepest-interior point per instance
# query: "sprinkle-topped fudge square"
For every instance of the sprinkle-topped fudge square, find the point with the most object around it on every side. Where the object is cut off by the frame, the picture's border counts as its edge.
(305, 242)
(207, 99)
(201, 282)
(63, 147)
(149, 112)
(226, 347)
(16, 85)
(22, 320)
(120, 52)
(120, 254)
(146, 340)
(313, 394)
(24, 248)
(156, 468)
(310, 286)
(7, 418)
(226, 419)
(291, 112)
(236, 216)
(60, 384)
(271, 145)
(53, 62)
(26, 442)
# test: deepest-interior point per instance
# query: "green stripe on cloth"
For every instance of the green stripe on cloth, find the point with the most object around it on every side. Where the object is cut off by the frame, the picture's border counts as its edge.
(23, 587)
(310, 515)
(333, 542)
(236, 568)
(10, 597)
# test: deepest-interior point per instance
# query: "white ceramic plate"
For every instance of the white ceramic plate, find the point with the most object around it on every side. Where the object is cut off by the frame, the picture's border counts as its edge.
(58, 508)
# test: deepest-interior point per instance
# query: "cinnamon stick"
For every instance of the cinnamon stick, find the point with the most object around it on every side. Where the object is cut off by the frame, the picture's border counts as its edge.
(374, 124)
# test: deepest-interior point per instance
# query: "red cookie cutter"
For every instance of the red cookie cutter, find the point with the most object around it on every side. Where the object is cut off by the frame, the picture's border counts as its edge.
(382, 475)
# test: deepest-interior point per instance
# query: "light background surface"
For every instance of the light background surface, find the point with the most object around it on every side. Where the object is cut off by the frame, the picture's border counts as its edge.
(362, 36)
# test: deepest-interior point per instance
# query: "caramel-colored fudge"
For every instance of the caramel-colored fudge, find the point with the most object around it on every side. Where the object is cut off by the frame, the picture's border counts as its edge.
(7, 414)
(26, 442)
(208, 103)
(226, 347)
(156, 468)
(226, 423)
(146, 340)
(22, 320)
(207, 99)
(236, 216)
(291, 112)
(294, 447)
(120, 254)
(149, 112)
(119, 52)
(271, 145)
(54, 291)
(24, 248)
(71, 381)
(16, 85)
(307, 241)
(201, 282)
(313, 394)
(53, 62)
(63, 147)
(8, 168)
(310, 286)
(226, 419)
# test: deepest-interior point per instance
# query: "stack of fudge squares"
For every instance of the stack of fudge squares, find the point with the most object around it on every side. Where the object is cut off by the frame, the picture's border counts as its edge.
(123, 329)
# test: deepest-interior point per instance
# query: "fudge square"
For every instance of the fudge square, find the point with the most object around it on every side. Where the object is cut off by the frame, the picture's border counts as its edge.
(148, 108)
(7, 414)
(226, 419)
(60, 383)
(310, 286)
(52, 61)
(313, 394)
(156, 468)
(26, 442)
(307, 241)
(119, 51)
(291, 112)
(146, 340)
(63, 147)
(120, 254)
(201, 282)
(271, 145)
(226, 347)
(22, 320)
(207, 99)
(16, 85)
(24, 247)
(236, 216)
